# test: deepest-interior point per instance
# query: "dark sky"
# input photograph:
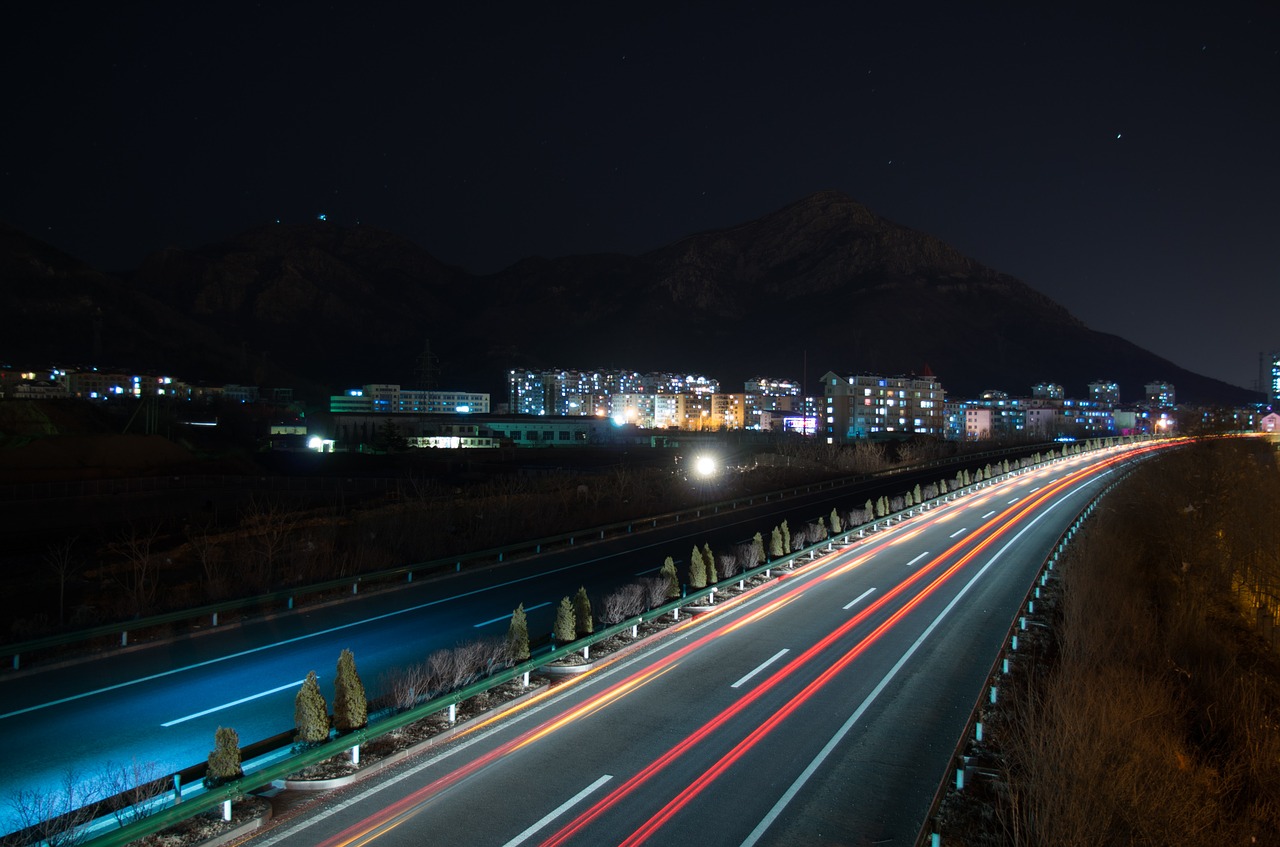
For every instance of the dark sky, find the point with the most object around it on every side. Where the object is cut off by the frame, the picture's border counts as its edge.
(1122, 162)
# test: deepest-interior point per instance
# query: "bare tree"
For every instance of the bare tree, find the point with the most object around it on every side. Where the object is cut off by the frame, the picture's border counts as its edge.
(55, 817)
(59, 557)
(210, 555)
(139, 573)
(403, 688)
(269, 527)
(628, 600)
(132, 789)
(655, 591)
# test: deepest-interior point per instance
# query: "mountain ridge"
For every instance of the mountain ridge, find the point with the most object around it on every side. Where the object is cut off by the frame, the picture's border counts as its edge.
(822, 280)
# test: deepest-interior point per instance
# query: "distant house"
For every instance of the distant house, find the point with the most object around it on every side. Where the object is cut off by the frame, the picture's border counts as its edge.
(1270, 423)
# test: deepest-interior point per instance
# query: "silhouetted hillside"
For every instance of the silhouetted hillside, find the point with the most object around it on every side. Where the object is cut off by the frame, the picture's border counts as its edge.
(823, 279)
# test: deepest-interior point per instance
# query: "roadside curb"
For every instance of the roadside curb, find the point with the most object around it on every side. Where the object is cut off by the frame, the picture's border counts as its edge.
(231, 835)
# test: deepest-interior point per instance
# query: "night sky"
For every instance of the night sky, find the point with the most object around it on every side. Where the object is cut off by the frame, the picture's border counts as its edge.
(1122, 162)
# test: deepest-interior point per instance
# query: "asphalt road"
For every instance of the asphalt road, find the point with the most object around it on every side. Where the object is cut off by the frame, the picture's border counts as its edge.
(161, 705)
(819, 710)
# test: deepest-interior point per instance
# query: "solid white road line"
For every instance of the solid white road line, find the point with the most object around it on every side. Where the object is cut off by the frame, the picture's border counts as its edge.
(775, 657)
(917, 558)
(961, 531)
(864, 595)
(507, 617)
(234, 703)
(558, 811)
(813, 766)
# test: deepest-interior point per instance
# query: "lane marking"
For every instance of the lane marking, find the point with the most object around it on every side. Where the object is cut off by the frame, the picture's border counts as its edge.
(234, 703)
(1015, 500)
(917, 558)
(988, 514)
(813, 766)
(858, 599)
(961, 531)
(1034, 490)
(558, 811)
(769, 661)
(507, 617)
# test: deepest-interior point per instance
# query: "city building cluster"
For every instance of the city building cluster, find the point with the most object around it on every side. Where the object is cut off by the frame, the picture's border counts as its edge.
(653, 400)
(103, 386)
(574, 407)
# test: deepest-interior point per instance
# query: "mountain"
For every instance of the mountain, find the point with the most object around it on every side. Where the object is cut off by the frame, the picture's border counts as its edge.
(822, 284)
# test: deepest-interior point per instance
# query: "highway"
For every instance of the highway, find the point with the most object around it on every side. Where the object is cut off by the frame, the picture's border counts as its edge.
(821, 709)
(160, 704)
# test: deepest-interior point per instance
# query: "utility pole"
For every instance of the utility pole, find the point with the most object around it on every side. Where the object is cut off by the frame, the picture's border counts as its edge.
(427, 372)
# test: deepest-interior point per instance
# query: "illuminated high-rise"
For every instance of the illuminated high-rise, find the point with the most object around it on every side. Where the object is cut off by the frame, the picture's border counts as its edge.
(1273, 385)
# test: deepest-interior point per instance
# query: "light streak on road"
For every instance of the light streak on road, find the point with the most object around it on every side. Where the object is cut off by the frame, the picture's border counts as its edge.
(386, 820)
(686, 795)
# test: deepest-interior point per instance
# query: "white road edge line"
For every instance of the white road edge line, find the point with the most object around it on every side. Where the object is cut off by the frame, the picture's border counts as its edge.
(988, 514)
(813, 766)
(558, 811)
(233, 703)
(864, 595)
(959, 531)
(769, 661)
(917, 558)
(507, 617)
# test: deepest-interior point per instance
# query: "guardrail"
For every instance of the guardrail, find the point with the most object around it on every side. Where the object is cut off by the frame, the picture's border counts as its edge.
(955, 773)
(217, 796)
(222, 794)
(285, 599)
(183, 809)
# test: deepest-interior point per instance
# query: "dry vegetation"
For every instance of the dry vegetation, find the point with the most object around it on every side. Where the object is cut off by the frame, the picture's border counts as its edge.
(1152, 714)
(269, 543)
